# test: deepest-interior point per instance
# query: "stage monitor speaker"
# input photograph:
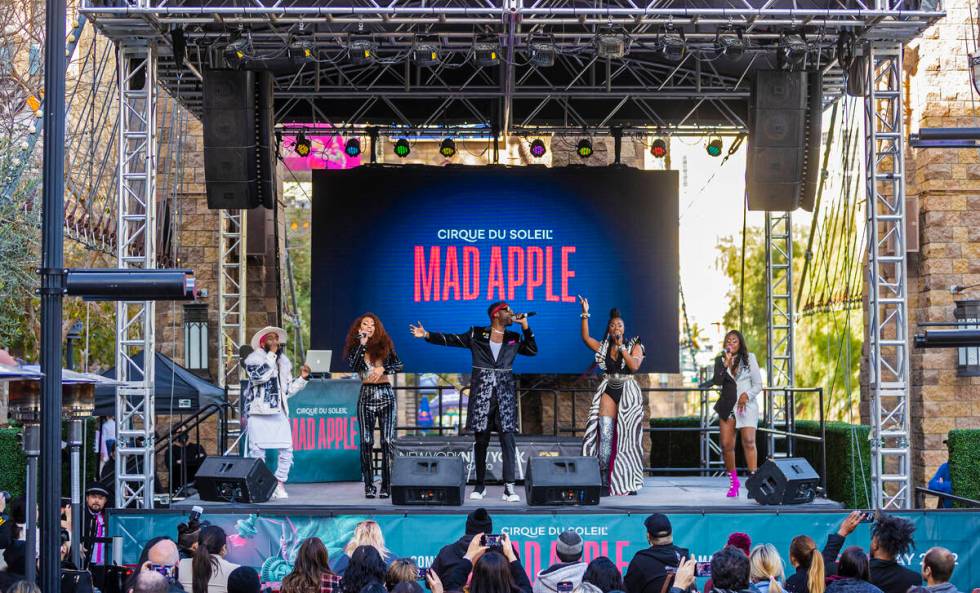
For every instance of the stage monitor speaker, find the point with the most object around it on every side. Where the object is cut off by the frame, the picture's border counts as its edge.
(562, 481)
(790, 480)
(239, 150)
(235, 479)
(435, 481)
(777, 124)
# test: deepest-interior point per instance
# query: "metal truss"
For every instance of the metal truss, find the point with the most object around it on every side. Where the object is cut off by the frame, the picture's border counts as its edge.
(779, 327)
(581, 90)
(136, 249)
(231, 305)
(888, 347)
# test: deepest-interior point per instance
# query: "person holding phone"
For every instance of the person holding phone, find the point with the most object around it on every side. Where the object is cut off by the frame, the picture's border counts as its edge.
(489, 568)
(737, 373)
(371, 354)
(616, 414)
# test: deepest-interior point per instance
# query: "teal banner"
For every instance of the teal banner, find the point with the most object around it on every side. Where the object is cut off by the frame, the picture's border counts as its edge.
(326, 436)
(269, 542)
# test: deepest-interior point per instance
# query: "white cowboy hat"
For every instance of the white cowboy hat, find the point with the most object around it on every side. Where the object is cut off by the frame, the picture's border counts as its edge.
(269, 329)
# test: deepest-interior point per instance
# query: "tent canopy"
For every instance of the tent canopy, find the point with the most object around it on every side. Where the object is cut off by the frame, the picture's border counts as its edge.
(176, 390)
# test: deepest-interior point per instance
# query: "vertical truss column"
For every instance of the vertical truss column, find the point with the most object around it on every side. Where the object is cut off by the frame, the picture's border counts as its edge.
(231, 307)
(136, 249)
(888, 350)
(779, 327)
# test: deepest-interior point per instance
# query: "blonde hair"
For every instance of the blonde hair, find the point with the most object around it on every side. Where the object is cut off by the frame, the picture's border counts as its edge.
(402, 570)
(765, 564)
(804, 550)
(367, 533)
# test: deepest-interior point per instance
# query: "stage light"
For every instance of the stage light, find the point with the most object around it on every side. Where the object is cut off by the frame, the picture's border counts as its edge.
(794, 49)
(714, 147)
(659, 148)
(543, 54)
(673, 44)
(237, 51)
(403, 148)
(448, 148)
(730, 44)
(610, 45)
(303, 145)
(538, 148)
(362, 52)
(584, 149)
(353, 147)
(426, 53)
(486, 52)
(301, 51)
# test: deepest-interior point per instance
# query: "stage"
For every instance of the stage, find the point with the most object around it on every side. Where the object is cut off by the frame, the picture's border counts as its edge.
(680, 494)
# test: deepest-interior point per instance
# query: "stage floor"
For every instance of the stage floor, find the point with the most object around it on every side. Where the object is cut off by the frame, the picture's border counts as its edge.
(694, 494)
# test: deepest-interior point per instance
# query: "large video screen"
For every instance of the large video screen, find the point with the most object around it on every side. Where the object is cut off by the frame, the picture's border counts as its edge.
(437, 245)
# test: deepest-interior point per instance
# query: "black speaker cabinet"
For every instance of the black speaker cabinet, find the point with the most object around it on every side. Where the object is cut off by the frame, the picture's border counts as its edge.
(562, 481)
(791, 480)
(777, 120)
(436, 481)
(235, 479)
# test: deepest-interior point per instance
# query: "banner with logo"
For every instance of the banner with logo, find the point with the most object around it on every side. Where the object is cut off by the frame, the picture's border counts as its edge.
(326, 436)
(527, 447)
(269, 542)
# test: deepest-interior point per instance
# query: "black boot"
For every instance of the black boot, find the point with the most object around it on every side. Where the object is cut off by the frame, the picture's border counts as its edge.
(367, 472)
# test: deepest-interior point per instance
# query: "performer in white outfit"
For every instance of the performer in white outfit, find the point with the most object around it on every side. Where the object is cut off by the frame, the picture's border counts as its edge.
(270, 383)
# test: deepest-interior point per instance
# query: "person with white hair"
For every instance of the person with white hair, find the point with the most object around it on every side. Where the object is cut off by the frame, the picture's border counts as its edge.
(270, 384)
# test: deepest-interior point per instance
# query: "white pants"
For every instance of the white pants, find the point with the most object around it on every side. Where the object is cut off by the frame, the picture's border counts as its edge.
(285, 459)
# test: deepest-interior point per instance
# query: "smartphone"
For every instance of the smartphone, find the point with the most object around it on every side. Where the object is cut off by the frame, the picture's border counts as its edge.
(491, 540)
(423, 573)
(868, 517)
(565, 586)
(168, 571)
(702, 569)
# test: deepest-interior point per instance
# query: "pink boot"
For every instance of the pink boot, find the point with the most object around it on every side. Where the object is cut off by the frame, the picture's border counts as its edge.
(734, 484)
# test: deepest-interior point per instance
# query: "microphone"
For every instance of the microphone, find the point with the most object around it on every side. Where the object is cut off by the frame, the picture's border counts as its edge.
(523, 315)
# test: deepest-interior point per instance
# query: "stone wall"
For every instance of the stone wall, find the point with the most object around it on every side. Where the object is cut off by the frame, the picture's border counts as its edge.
(946, 184)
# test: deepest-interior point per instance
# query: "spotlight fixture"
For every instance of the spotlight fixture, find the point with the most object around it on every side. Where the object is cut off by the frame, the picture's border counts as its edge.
(403, 148)
(538, 149)
(353, 147)
(673, 45)
(237, 52)
(426, 53)
(729, 44)
(793, 49)
(303, 146)
(362, 52)
(659, 148)
(584, 149)
(714, 147)
(486, 52)
(301, 51)
(543, 53)
(975, 71)
(448, 148)
(610, 45)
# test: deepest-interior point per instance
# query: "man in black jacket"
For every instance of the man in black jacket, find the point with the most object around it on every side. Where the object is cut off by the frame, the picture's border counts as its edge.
(891, 537)
(648, 569)
(479, 521)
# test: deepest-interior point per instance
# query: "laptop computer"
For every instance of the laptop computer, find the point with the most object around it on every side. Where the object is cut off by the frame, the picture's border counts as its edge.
(319, 361)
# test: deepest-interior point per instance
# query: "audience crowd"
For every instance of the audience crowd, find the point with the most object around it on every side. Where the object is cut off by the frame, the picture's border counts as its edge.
(481, 561)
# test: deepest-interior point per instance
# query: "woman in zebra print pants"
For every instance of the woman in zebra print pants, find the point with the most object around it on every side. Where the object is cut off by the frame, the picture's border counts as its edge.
(613, 432)
(371, 353)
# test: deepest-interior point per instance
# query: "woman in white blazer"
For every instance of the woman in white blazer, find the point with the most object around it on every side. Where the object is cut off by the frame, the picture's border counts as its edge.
(737, 373)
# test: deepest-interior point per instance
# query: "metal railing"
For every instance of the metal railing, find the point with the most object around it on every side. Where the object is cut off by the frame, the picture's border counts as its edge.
(921, 492)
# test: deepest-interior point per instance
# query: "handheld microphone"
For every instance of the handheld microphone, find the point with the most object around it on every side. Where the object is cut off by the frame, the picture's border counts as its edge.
(528, 314)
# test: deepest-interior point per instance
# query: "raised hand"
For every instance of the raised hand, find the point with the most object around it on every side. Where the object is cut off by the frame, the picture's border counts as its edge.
(585, 303)
(417, 330)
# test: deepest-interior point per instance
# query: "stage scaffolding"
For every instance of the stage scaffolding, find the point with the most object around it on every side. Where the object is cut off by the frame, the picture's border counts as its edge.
(581, 94)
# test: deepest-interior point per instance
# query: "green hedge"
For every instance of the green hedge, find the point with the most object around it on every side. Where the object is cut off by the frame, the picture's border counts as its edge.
(13, 464)
(964, 462)
(844, 480)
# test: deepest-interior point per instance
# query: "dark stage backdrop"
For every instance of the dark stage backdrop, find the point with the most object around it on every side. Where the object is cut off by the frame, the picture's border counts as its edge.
(439, 244)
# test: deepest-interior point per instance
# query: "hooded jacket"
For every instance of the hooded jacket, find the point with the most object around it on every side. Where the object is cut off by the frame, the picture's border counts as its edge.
(940, 588)
(548, 579)
(647, 570)
(449, 556)
(270, 383)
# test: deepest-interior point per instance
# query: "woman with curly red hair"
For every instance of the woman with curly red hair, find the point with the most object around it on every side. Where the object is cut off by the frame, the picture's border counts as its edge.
(371, 354)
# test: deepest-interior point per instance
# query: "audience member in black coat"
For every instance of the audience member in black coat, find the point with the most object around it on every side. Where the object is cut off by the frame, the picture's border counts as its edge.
(891, 537)
(479, 521)
(648, 569)
(729, 571)
(495, 570)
